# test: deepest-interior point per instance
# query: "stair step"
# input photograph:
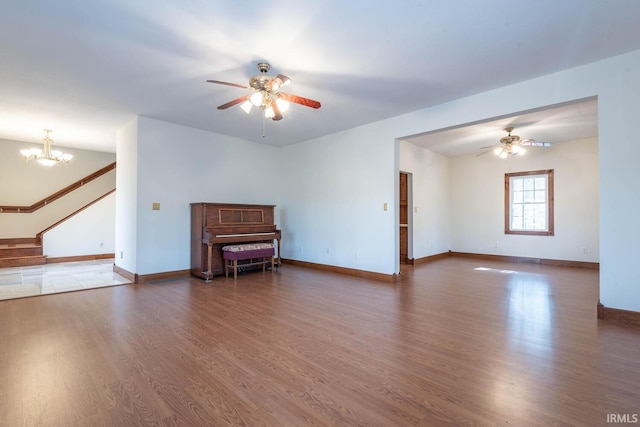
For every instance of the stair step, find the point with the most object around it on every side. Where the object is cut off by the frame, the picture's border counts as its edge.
(23, 261)
(16, 251)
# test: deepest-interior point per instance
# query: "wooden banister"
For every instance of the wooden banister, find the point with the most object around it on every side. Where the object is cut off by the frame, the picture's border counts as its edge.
(39, 235)
(57, 195)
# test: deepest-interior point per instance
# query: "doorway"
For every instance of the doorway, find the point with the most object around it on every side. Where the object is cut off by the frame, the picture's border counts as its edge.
(405, 218)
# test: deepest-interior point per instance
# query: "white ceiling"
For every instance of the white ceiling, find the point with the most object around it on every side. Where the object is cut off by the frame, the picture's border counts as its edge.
(556, 124)
(85, 68)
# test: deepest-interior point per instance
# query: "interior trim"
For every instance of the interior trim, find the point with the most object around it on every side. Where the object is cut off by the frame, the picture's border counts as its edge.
(389, 278)
(431, 258)
(55, 196)
(40, 234)
(75, 258)
(125, 273)
(617, 315)
(18, 241)
(542, 261)
(154, 277)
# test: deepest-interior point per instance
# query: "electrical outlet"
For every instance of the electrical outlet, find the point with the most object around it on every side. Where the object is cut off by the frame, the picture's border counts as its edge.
(121, 254)
(585, 250)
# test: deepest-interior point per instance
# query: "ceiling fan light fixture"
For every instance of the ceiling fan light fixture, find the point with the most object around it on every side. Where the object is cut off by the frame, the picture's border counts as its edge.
(269, 113)
(282, 105)
(246, 106)
(256, 99)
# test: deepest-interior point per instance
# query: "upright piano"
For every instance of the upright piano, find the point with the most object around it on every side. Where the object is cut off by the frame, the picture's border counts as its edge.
(214, 225)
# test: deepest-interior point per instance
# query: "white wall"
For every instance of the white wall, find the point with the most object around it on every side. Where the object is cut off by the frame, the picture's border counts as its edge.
(477, 203)
(333, 193)
(176, 166)
(90, 232)
(430, 199)
(126, 236)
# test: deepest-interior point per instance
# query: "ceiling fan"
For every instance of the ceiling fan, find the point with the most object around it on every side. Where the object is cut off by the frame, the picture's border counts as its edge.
(266, 94)
(512, 145)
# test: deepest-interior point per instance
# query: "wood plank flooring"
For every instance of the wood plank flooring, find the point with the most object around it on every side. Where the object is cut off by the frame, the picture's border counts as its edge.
(456, 342)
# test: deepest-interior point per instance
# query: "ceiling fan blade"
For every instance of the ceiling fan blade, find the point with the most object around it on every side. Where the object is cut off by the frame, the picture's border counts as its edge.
(483, 153)
(489, 146)
(234, 102)
(299, 100)
(277, 115)
(533, 143)
(278, 81)
(228, 84)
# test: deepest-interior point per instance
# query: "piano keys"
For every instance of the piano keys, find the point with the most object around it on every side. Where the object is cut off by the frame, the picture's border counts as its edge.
(214, 225)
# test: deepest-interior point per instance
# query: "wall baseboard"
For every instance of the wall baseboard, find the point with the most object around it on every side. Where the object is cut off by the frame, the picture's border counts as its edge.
(541, 261)
(619, 316)
(125, 273)
(154, 277)
(431, 258)
(79, 258)
(389, 278)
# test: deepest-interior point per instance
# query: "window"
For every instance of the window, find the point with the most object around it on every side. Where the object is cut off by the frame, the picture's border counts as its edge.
(528, 203)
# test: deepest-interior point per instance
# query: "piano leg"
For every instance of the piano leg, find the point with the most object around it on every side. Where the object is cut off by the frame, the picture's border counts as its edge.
(209, 272)
(279, 255)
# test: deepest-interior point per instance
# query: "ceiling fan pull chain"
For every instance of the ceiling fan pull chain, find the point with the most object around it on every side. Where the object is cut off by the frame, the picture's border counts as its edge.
(264, 121)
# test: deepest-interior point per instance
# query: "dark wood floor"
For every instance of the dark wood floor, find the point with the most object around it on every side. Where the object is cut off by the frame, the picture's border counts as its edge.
(457, 342)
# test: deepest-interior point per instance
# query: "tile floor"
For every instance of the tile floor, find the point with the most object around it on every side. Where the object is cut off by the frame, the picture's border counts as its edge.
(18, 282)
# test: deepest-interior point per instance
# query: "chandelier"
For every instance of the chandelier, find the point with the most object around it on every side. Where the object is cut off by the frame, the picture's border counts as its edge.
(47, 156)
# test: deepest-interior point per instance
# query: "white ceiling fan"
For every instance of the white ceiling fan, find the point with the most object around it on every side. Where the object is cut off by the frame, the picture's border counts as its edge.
(512, 145)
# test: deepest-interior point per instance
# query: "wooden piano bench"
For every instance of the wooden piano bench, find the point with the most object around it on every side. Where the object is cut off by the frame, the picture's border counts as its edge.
(252, 253)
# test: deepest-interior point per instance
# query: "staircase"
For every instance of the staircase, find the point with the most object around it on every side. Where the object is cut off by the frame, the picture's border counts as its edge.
(21, 254)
